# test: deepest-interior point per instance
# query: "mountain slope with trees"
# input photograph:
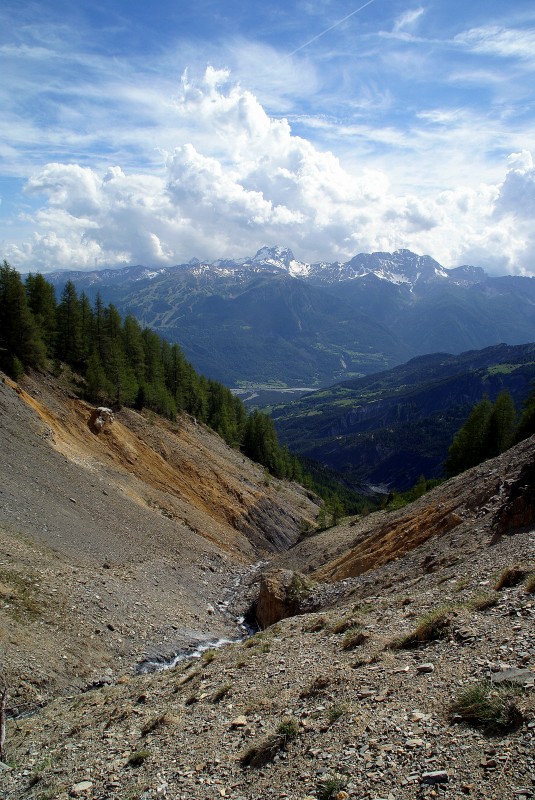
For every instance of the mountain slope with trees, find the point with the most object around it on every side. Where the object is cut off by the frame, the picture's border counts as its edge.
(390, 428)
(123, 364)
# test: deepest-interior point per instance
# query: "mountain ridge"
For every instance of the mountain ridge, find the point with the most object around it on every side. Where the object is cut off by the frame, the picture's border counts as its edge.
(350, 319)
(400, 266)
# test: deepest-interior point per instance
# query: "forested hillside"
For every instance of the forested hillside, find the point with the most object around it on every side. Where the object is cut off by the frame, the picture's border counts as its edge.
(392, 427)
(120, 363)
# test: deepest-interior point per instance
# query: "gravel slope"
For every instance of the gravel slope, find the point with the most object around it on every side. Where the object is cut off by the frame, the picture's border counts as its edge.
(359, 713)
(123, 544)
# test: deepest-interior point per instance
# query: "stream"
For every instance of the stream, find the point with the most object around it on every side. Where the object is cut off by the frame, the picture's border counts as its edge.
(244, 628)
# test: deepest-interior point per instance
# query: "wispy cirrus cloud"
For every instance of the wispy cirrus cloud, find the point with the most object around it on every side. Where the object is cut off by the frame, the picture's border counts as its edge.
(407, 19)
(500, 41)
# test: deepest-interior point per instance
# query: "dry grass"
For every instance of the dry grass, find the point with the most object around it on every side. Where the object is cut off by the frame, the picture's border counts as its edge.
(265, 750)
(316, 625)
(346, 624)
(138, 758)
(20, 595)
(529, 585)
(157, 722)
(511, 576)
(353, 638)
(221, 692)
(316, 687)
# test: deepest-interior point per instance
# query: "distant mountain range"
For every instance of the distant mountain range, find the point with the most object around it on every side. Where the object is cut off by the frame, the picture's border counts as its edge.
(388, 429)
(271, 320)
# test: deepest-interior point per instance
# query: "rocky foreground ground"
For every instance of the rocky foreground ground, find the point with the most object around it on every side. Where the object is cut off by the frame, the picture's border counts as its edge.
(351, 696)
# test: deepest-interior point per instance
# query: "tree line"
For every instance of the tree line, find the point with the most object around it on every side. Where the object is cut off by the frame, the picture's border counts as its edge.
(123, 364)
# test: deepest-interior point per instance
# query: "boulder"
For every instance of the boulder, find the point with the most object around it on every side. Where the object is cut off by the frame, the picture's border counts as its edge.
(518, 510)
(100, 418)
(281, 595)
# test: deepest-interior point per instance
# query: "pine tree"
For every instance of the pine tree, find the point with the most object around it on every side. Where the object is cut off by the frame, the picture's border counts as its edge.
(119, 372)
(21, 344)
(336, 509)
(42, 303)
(261, 444)
(69, 338)
(99, 327)
(133, 346)
(98, 389)
(467, 448)
(86, 330)
(526, 426)
(501, 426)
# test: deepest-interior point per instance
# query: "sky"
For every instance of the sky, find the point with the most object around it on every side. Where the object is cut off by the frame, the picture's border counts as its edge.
(153, 133)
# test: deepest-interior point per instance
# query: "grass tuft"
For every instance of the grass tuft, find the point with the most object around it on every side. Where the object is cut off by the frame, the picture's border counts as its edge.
(265, 750)
(138, 758)
(330, 786)
(482, 601)
(221, 692)
(353, 638)
(529, 585)
(511, 576)
(433, 626)
(208, 656)
(491, 707)
(335, 712)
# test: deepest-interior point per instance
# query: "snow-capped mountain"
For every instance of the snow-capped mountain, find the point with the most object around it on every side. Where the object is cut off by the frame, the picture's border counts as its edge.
(400, 267)
(271, 318)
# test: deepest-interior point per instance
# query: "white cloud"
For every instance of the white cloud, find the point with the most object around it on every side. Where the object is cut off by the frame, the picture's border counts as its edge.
(245, 180)
(499, 41)
(407, 19)
(514, 210)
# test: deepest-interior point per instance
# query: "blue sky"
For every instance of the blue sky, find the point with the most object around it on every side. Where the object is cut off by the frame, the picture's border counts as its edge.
(153, 133)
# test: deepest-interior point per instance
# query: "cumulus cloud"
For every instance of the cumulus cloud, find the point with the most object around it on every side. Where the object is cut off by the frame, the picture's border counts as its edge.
(244, 180)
